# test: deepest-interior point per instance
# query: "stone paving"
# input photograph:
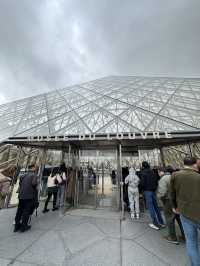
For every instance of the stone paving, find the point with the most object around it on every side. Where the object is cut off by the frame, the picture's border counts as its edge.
(85, 238)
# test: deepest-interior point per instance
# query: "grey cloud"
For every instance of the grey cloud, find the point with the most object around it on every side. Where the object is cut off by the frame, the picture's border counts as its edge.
(51, 44)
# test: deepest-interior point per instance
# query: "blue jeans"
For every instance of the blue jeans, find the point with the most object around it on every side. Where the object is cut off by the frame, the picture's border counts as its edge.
(152, 205)
(61, 196)
(191, 233)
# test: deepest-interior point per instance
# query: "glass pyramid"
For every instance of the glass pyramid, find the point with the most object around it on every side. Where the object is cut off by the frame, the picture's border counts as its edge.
(115, 104)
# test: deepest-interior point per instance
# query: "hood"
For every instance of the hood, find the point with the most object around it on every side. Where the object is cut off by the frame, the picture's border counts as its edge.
(132, 171)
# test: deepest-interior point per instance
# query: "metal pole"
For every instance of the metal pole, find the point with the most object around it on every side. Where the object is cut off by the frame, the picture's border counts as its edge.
(75, 189)
(118, 179)
(189, 146)
(121, 182)
(102, 180)
(97, 180)
(78, 179)
(41, 169)
(62, 157)
(69, 154)
(68, 172)
(162, 156)
(75, 166)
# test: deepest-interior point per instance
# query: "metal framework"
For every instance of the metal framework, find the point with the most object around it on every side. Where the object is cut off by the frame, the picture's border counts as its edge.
(108, 105)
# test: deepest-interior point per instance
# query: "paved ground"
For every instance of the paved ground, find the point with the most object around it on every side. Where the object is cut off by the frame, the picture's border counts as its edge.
(86, 238)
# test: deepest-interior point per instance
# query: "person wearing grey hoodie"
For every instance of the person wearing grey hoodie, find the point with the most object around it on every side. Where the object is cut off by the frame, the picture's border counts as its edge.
(133, 193)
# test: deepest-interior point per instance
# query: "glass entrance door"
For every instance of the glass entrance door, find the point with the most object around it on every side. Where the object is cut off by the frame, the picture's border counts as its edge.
(97, 183)
(107, 187)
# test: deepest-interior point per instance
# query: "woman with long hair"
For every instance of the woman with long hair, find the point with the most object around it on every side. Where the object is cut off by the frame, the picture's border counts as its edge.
(52, 189)
(62, 182)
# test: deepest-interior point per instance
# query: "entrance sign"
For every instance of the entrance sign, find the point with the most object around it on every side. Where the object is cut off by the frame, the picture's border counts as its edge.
(93, 137)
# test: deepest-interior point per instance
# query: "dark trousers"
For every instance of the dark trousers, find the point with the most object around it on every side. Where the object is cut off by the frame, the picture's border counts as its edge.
(171, 217)
(50, 193)
(152, 205)
(23, 212)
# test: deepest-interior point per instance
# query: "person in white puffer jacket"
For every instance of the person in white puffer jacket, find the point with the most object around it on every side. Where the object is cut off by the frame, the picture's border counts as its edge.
(133, 193)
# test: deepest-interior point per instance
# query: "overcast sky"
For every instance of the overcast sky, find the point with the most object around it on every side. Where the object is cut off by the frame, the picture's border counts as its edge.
(55, 43)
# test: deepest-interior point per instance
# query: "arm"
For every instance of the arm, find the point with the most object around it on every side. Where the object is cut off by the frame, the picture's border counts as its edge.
(173, 192)
(64, 176)
(142, 181)
(126, 180)
(137, 180)
(20, 180)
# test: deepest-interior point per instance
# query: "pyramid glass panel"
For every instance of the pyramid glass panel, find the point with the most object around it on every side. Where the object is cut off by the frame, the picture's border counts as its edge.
(115, 104)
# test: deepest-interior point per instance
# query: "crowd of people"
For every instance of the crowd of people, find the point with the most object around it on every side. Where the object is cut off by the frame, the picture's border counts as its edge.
(179, 192)
(29, 198)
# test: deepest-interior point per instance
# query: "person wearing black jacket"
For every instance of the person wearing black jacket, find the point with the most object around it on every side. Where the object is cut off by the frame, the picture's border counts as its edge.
(27, 194)
(149, 184)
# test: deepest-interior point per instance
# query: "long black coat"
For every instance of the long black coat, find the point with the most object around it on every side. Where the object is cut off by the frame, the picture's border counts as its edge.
(28, 185)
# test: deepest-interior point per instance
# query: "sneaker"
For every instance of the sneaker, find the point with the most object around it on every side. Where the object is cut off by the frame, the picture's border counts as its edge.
(153, 226)
(171, 240)
(132, 216)
(137, 216)
(45, 210)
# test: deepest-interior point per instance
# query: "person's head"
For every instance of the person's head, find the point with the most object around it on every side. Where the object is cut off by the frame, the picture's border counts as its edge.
(32, 167)
(145, 165)
(131, 171)
(54, 171)
(62, 167)
(169, 169)
(190, 162)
